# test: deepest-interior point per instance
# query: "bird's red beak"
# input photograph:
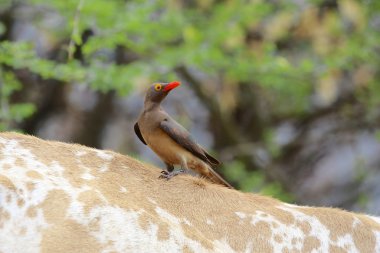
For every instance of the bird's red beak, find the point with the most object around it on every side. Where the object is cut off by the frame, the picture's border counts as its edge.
(172, 85)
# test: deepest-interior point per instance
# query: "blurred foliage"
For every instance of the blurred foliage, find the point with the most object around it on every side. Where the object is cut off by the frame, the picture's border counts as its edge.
(255, 181)
(290, 52)
(214, 38)
(11, 112)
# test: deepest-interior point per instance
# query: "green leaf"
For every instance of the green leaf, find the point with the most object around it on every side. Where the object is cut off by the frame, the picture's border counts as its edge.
(21, 111)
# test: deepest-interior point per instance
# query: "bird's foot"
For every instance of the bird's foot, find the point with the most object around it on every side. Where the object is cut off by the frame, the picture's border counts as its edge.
(168, 175)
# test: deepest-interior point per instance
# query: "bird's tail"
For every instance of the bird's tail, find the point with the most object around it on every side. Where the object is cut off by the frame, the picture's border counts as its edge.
(216, 178)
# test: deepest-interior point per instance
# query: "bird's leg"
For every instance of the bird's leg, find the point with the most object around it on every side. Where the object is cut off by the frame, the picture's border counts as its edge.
(170, 170)
(184, 167)
(169, 167)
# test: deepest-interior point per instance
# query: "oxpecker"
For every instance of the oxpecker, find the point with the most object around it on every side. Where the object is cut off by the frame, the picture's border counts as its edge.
(170, 141)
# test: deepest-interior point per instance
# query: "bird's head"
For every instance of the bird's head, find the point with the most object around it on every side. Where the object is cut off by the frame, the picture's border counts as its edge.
(158, 91)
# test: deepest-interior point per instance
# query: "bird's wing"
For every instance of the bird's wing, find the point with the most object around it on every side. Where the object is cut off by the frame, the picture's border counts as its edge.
(213, 161)
(138, 133)
(183, 138)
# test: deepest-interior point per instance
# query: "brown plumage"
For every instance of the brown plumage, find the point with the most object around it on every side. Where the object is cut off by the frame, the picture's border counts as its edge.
(169, 140)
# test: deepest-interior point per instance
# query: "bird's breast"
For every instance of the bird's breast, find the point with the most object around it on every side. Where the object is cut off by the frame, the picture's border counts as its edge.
(166, 148)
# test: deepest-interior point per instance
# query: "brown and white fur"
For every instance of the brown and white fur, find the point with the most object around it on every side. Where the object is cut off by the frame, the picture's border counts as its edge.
(57, 197)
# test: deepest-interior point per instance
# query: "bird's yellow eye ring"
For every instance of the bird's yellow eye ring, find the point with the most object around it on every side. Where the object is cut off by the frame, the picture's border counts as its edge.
(157, 87)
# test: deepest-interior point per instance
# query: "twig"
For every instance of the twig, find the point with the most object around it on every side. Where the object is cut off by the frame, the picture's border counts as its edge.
(71, 48)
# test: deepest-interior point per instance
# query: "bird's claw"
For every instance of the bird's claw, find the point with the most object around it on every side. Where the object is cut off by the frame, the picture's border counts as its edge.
(168, 175)
(164, 174)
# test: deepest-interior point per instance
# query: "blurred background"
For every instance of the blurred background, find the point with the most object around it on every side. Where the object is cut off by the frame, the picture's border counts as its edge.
(286, 93)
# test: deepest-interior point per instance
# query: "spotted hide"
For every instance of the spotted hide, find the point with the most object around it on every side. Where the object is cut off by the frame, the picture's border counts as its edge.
(57, 197)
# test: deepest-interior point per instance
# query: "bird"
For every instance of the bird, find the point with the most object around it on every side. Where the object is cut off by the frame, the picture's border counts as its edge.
(171, 141)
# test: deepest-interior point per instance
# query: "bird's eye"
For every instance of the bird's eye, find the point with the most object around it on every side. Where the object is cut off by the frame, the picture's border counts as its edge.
(157, 87)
